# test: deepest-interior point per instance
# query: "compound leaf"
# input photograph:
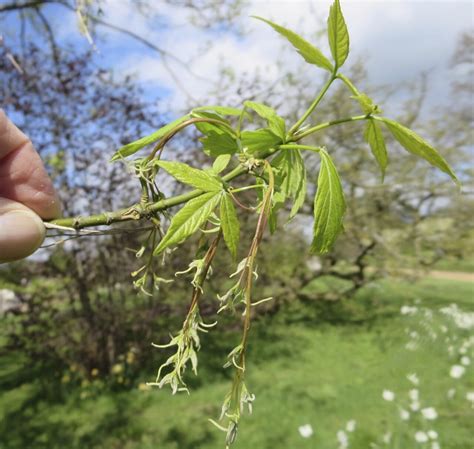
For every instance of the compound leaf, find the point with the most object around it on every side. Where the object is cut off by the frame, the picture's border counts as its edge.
(220, 163)
(223, 110)
(367, 104)
(198, 179)
(300, 186)
(276, 124)
(374, 137)
(260, 139)
(338, 34)
(189, 219)
(310, 53)
(414, 144)
(133, 147)
(293, 184)
(329, 206)
(216, 141)
(219, 122)
(230, 224)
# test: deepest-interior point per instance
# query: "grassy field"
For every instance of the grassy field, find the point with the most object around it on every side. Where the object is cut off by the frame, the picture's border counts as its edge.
(321, 366)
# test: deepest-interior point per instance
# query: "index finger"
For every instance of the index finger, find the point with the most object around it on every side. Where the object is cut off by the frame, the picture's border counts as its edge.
(23, 177)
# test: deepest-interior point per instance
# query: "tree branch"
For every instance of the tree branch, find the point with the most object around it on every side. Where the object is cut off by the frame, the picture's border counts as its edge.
(141, 39)
(139, 211)
(34, 4)
(17, 6)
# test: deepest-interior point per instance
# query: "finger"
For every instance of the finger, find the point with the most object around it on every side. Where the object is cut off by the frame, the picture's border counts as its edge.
(23, 177)
(21, 231)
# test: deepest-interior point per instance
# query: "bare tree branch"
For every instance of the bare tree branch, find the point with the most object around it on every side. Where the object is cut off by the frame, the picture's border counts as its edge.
(17, 6)
(166, 55)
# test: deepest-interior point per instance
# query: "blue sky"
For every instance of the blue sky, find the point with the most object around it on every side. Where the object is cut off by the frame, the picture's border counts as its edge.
(398, 39)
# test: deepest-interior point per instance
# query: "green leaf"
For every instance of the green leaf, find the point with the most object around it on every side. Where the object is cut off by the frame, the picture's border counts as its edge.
(208, 128)
(220, 163)
(224, 124)
(278, 198)
(212, 115)
(260, 139)
(275, 123)
(198, 179)
(374, 137)
(189, 219)
(310, 53)
(273, 217)
(300, 192)
(329, 206)
(367, 104)
(216, 141)
(230, 224)
(133, 147)
(338, 34)
(414, 144)
(223, 110)
(293, 173)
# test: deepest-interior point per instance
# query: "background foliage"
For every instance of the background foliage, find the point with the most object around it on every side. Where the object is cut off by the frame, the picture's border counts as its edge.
(75, 349)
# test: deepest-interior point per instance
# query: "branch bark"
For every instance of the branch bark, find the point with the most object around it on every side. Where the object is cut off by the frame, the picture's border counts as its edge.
(17, 6)
(139, 211)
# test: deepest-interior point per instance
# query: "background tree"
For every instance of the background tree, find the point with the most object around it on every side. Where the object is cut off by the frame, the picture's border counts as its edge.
(98, 326)
(71, 111)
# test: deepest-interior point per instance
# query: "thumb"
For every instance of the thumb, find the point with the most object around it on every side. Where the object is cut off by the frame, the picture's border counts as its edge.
(21, 231)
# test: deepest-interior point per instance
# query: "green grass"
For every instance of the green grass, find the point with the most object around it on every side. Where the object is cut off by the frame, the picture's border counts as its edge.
(303, 370)
(452, 264)
(447, 263)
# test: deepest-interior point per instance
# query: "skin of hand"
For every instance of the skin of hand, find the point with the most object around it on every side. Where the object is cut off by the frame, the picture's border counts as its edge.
(27, 194)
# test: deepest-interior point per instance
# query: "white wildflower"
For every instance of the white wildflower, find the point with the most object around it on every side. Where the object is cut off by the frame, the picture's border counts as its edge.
(351, 425)
(415, 406)
(404, 414)
(421, 437)
(387, 438)
(408, 310)
(429, 413)
(470, 397)
(432, 434)
(463, 320)
(414, 394)
(342, 439)
(457, 371)
(413, 378)
(465, 360)
(435, 445)
(305, 430)
(451, 393)
(444, 329)
(388, 395)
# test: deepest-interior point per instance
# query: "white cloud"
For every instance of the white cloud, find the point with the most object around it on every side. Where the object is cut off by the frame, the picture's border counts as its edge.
(402, 38)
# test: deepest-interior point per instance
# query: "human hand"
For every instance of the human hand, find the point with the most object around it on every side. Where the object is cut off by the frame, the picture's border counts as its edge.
(26, 194)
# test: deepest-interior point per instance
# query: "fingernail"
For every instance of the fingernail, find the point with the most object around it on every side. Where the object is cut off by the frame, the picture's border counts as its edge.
(21, 233)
